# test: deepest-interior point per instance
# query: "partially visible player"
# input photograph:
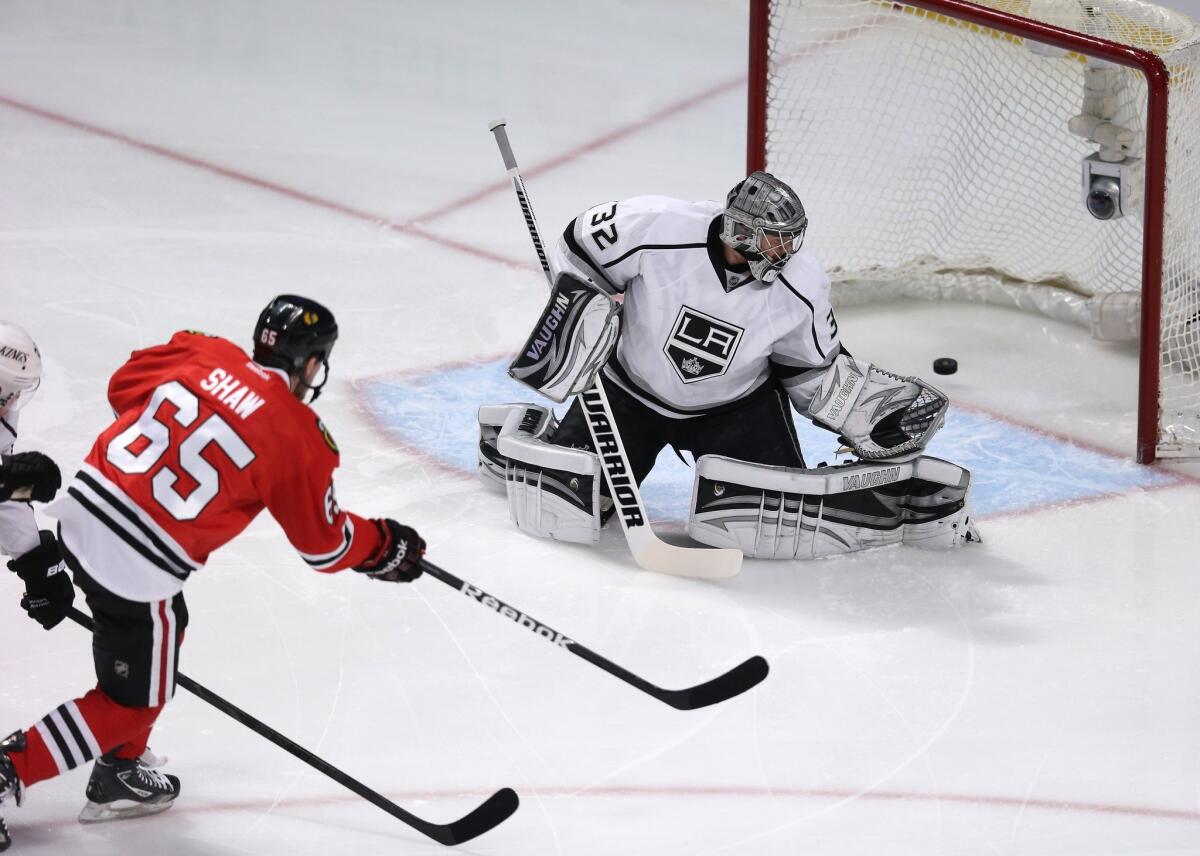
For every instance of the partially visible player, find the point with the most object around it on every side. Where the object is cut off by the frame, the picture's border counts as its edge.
(725, 325)
(205, 437)
(27, 476)
(30, 475)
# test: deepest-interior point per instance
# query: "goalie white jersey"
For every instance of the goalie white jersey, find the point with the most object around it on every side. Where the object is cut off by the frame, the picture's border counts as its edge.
(696, 335)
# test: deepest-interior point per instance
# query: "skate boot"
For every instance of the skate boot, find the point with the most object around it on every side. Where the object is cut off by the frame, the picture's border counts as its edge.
(120, 789)
(10, 785)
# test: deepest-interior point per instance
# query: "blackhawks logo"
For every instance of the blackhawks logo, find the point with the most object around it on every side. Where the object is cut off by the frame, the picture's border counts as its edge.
(327, 437)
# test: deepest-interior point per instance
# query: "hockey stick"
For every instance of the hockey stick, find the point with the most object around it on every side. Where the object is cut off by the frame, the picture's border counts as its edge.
(734, 682)
(492, 812)
(649, 551)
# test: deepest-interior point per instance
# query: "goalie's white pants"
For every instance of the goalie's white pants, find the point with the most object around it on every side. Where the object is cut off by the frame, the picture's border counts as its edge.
(783, 513)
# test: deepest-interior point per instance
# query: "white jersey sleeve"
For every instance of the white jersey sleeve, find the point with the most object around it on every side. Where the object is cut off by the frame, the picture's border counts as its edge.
(18, 526)
(801, 355)
(605, 242)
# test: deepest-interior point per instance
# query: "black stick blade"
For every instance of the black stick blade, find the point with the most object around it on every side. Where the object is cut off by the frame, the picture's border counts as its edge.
(491, 813)
(734, 682)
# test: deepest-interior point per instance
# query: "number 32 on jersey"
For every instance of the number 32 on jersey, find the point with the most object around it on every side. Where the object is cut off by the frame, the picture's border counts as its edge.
(601, 232)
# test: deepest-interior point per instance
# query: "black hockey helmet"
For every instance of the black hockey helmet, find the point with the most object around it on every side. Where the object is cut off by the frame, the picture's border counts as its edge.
(289, 331)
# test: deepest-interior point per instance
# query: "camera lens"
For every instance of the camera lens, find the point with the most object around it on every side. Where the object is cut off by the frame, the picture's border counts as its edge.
(1105, 197)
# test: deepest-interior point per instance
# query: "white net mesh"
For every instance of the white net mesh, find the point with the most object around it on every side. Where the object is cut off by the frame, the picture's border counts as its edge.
(934, 157)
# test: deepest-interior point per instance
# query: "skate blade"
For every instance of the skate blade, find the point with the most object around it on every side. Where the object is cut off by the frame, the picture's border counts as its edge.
(105, 812)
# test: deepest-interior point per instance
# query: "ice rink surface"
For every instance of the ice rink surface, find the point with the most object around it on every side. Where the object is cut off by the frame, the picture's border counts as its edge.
(168, 165)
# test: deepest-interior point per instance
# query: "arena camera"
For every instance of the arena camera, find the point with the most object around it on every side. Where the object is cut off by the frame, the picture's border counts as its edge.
(1112, 190)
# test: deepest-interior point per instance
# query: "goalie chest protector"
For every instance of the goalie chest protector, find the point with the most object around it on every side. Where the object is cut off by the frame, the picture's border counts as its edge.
(688, 345)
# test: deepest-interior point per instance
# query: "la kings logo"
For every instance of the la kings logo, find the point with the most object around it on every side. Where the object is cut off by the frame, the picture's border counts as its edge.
(700, 346)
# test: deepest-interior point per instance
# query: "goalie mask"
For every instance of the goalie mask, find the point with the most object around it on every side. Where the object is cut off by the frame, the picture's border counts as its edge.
(765, 222)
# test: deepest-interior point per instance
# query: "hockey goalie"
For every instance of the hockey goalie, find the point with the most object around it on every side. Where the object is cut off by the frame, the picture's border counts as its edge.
(724, 325)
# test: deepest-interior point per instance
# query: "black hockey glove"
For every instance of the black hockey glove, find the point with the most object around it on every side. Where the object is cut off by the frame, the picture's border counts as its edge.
(31, 470)
(48, 589)
(398, 559)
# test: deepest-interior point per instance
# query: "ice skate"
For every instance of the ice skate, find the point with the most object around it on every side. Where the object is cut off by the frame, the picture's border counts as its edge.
(10, 785)
(120, 789)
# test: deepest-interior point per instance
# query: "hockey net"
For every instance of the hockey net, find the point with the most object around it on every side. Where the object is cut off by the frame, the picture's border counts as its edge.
(930, 142)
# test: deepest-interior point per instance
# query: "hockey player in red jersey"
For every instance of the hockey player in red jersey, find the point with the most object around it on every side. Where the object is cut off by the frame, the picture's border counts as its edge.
(205, 437)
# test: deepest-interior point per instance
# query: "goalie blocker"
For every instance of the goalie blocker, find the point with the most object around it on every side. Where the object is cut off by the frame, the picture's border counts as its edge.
(784, 513)
(571, 340)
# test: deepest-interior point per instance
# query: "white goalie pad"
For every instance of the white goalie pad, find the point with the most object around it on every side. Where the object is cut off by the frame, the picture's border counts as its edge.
(782, 513)
(553, 491)
(571, 341)
(491, 464)
(880, 414)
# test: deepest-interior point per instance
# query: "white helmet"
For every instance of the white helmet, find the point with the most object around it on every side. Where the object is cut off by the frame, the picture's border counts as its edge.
(765, 222)
(20, 367)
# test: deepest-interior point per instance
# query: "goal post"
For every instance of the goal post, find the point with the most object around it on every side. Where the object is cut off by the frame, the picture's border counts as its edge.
(942, 149)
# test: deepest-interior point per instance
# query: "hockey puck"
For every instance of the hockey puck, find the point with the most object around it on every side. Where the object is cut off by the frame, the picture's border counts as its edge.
(945, 365)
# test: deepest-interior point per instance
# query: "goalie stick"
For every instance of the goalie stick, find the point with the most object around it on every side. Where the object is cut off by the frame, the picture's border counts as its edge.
(734, 682)
(649, 551)
(491, 813)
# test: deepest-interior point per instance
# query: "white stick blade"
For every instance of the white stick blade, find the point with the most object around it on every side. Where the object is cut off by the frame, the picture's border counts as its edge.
(653, 554)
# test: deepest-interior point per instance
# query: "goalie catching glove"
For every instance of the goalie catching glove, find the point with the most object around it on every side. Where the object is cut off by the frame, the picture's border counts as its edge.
(571, 341)
(879, 414)
(398, 559)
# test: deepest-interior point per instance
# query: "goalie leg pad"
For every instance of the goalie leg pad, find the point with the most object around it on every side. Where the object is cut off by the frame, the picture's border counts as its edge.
(571, 341)
(553, 491)
(933, 488)
(492, 465)
(785, 513)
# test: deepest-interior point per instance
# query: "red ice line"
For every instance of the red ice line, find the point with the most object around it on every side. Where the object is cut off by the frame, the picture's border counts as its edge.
(577, 152)
(683, 792)
(760, 792)
(409, 228)
(1178, 476)
(412, 226)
